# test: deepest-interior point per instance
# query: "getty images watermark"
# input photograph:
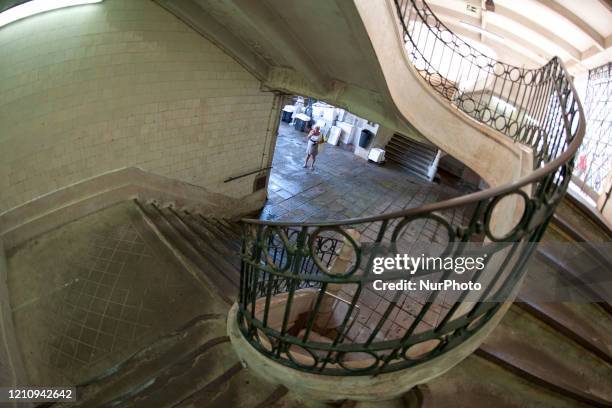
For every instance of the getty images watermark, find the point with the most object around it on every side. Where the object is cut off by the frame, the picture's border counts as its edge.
(577, 272)
(423, 264)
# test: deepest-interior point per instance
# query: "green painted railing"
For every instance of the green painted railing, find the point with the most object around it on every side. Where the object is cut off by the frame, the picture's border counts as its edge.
(306, 293)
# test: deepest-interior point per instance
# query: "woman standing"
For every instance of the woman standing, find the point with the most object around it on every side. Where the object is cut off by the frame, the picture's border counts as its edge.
(314, 140)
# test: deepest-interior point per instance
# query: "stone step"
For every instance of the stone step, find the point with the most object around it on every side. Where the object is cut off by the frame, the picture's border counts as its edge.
(476, 382)
(575, 316)
(575, 321)
(581, 222)
(209, 272)
(135, 373)
(230, 232)
(571, 271)
(240, 389)
(577, 235)
(228, 248)
(413, 149)
(413, 169)
(407, 142)
(212, 377)
(209, 368)
(205, 248)
(409, 155)
(535, 351)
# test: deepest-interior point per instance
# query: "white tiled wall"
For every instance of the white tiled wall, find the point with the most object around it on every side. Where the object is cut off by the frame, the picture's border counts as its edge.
(89, 89)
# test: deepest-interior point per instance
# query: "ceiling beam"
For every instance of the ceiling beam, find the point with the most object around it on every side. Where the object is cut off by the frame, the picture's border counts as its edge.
(571, 51)
(575, 20)
(607, 4)
(454, 17)
(510, 50)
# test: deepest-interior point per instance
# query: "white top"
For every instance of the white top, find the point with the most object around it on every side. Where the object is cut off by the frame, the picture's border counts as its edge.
(302, 116)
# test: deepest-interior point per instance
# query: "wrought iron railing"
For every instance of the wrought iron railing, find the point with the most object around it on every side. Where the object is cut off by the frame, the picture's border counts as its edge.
(594, 164)
(306, 295)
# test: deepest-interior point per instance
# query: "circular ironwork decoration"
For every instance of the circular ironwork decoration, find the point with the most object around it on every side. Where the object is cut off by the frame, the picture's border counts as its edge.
(275, 240)
(482, 61)
(499, 69)
(500, 123)
(468, 105)
(351, 360)
(514, 74)
(348, 240)
(485, 115)
(513, 129)
(422, 350)
(264, 341)
(301, 356)
(513, 232)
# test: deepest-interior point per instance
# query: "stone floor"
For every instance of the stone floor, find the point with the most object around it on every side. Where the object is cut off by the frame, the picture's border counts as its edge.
(343, 186)
(89, 294)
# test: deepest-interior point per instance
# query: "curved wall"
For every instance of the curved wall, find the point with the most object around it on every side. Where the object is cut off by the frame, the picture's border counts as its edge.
(89, 89)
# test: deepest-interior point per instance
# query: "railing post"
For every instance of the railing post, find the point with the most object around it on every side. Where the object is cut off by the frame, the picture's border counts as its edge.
(339, 267)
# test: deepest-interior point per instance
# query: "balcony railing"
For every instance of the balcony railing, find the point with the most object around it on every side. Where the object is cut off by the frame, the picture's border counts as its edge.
(306, 296)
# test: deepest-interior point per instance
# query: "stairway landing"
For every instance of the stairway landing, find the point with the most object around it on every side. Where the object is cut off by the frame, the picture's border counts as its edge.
(87, 295)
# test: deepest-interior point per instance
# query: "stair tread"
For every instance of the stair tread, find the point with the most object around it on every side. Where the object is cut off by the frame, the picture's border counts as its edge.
(593, 292)
(414, 163)
(415, 170)
(567, 319)
(411, 146)
(464, 387)
(408, 157)
(225, 287)
(570, 215)
(242, 389)
(219, 230)
(221, 244)
(199, 253)
(411, 170)
(409, 142)
(130, 374)
(207, 368)
(411, 155)
(206, 249)
(544, 356)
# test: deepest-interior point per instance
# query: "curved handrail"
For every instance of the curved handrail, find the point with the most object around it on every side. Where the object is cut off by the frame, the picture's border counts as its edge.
(288, 268)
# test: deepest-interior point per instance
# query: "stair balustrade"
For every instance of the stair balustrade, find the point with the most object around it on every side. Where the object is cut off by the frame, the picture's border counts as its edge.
(289, 275)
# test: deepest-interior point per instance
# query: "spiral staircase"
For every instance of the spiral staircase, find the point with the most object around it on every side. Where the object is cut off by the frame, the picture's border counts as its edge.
(546, 117)
(300, 289)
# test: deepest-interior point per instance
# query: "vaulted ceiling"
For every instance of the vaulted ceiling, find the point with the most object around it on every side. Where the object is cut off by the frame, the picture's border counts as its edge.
(530, 32)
